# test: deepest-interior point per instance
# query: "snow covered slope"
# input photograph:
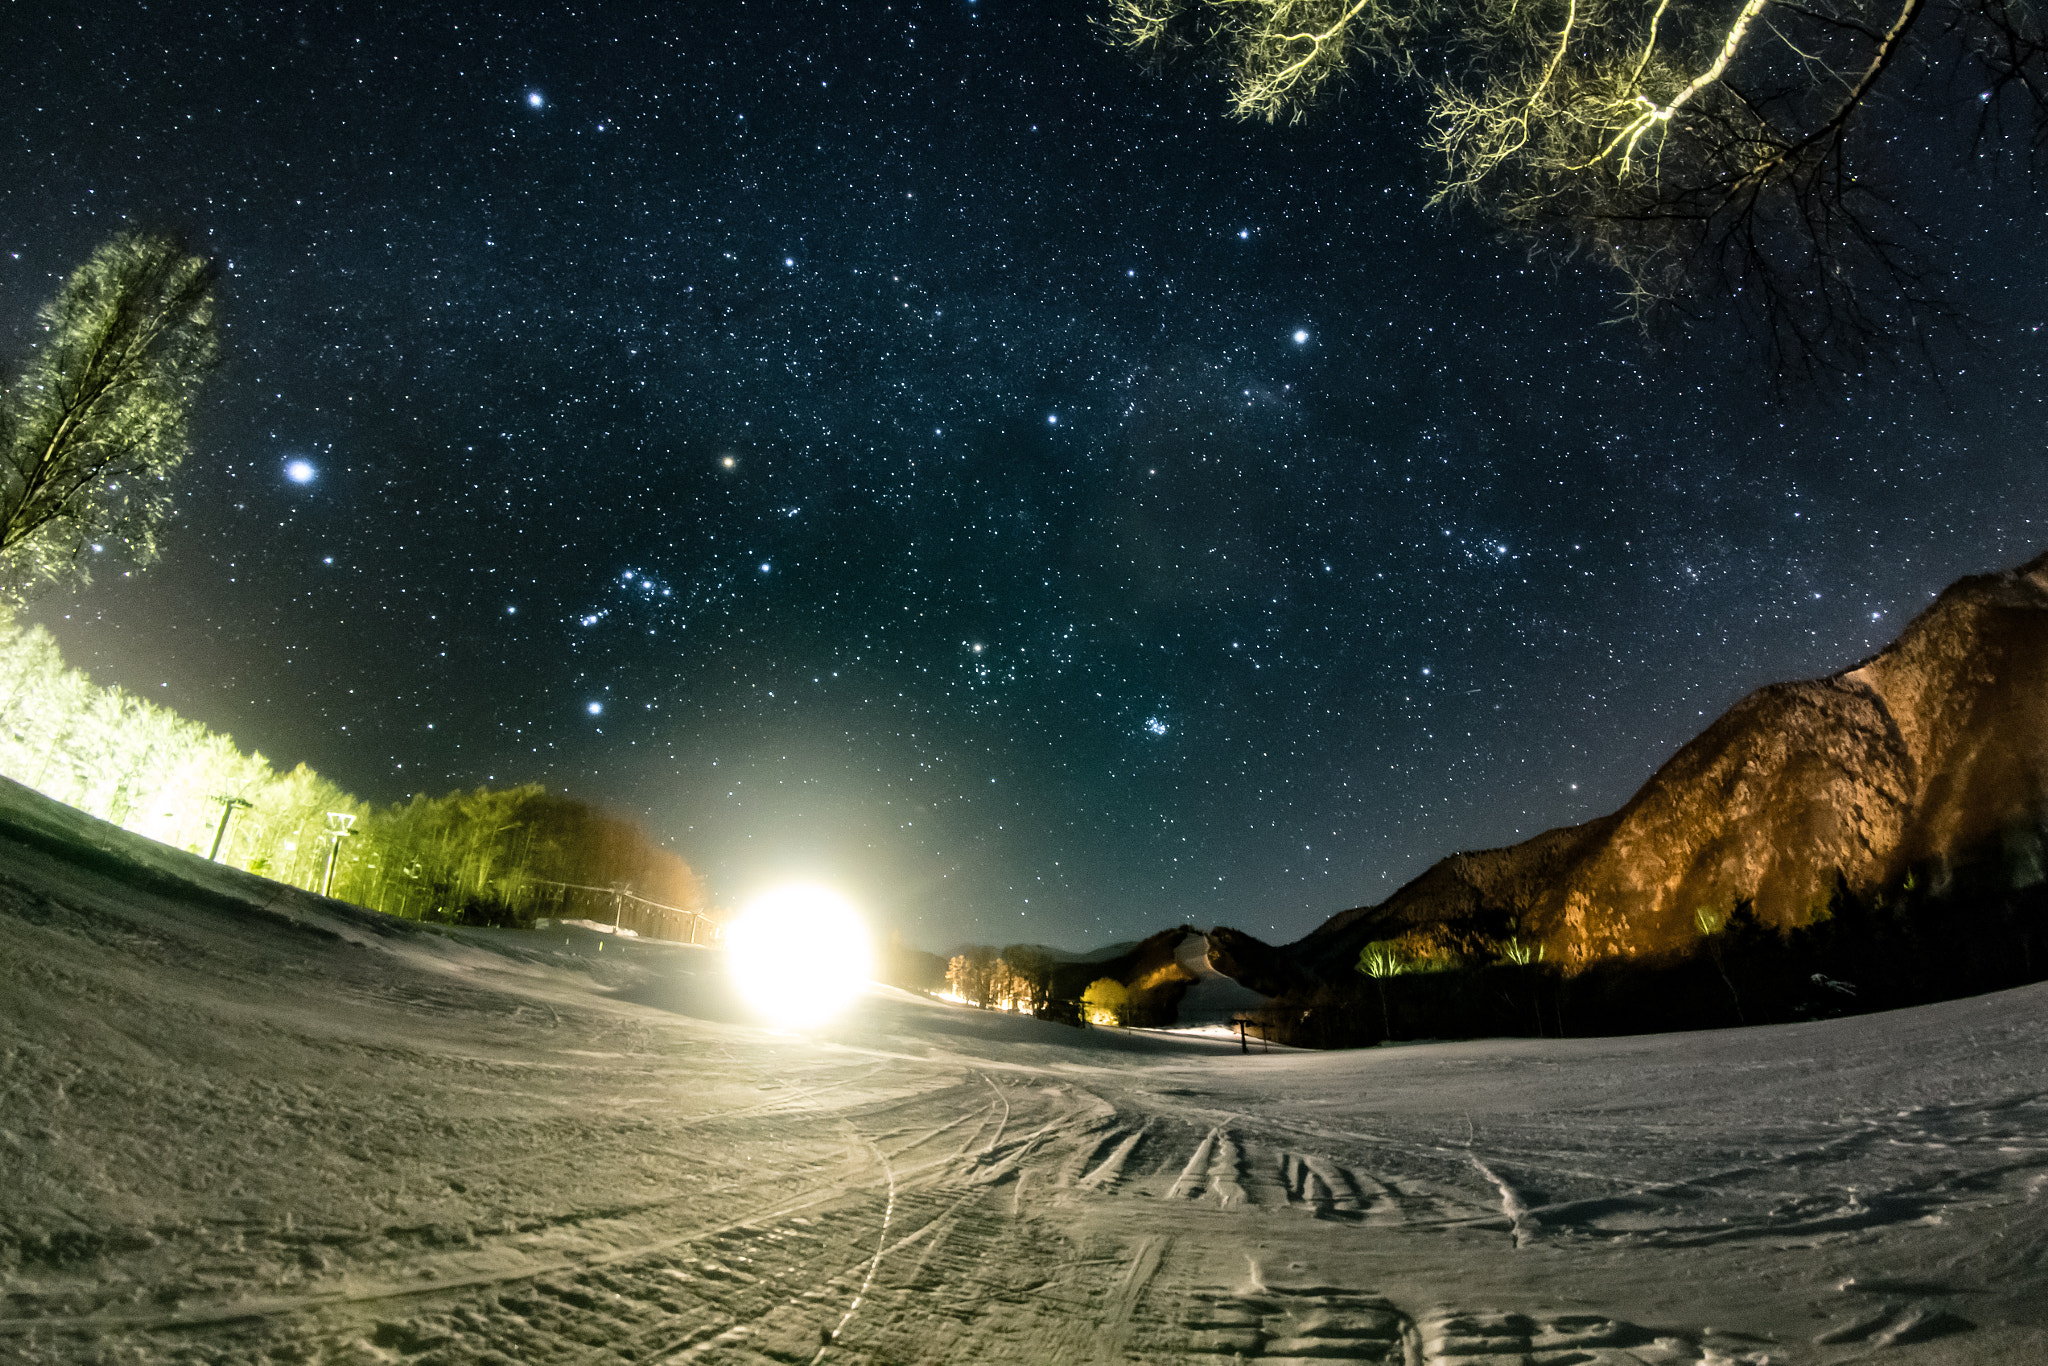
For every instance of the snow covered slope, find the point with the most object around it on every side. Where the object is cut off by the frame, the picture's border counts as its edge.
(1214, 998)
(296, 1134)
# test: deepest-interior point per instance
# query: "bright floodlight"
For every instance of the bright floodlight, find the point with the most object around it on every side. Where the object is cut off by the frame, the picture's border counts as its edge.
(798, 955)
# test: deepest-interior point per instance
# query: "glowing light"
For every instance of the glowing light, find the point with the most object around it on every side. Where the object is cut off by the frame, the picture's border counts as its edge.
(300, 471)
(727, 461)
(1301, 336)
(799, 955)
(534, 100)
(1156, 726)
(597, 709)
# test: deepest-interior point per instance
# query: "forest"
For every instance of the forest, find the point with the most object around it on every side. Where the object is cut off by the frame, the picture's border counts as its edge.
(505, 856)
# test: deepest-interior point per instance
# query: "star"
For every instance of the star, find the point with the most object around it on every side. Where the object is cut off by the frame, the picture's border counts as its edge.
(300, 471)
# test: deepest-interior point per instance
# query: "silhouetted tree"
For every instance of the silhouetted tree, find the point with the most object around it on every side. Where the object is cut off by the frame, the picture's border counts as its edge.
(1032, 967)
(976, 975)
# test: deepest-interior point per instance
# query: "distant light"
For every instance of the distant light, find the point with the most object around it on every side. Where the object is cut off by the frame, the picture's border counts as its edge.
(1300, 336)
(764, 566)
(1244, 234)
(597, 708)
(1053, 419)
(511, 611)
(799, 954)
(300, 471)
(727, 461)
(534, 100)
(789, 261)
(1155, 725)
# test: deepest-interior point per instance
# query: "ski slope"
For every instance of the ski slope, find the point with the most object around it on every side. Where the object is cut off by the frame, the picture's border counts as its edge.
(280, 1131)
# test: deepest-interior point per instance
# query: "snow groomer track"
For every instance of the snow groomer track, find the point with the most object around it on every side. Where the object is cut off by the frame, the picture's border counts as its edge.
(234, 1130)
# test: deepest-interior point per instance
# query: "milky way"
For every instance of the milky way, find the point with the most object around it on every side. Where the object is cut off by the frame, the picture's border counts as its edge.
(912, 447)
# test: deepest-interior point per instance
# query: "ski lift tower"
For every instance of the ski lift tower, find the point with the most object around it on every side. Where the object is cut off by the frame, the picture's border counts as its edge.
(228, 807)
(340, 825)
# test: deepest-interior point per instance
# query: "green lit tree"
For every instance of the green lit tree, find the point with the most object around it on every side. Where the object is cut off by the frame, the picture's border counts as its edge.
(1107, 1001)
(93, 428)
(1380, 960)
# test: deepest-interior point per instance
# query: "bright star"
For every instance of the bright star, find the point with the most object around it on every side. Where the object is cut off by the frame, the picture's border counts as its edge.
(597, 708)
(533, 99)
(300, 471)
(1300, 336)
(764, 566)
(1053, 419)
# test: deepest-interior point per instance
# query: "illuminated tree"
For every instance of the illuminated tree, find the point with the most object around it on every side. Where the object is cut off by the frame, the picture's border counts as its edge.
(1380, 960)
(1689, 144)
(1106, 1000)
(977, 976)
(92, 430)
(495, 856)
(1031, 971)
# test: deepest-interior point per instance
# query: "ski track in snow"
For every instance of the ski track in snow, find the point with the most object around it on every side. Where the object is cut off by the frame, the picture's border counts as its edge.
(226, 1135)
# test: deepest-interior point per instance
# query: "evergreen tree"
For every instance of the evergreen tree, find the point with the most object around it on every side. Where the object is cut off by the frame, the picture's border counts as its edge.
(94, 427)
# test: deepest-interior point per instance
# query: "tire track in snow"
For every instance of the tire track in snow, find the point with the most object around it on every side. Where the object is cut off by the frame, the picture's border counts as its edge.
(881, 1248)
(1109, 1174)
(251, 1309)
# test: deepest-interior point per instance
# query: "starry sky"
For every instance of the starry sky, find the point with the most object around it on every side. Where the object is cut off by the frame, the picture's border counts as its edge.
(912, 447)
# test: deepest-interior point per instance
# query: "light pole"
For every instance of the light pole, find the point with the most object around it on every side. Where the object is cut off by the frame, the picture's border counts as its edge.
(220, 832)
(340, 825)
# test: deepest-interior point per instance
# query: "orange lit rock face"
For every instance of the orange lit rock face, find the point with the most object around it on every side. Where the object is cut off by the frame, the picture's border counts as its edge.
(1932, 753)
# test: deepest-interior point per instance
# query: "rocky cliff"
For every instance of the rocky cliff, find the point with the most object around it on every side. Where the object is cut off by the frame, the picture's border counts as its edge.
(1930, 758)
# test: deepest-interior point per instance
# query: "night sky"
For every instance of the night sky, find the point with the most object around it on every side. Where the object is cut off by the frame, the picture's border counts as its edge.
(914, 448)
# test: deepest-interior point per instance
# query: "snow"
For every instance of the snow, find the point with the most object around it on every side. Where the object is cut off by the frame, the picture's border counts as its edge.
(1214, 999)
(242, 1125)
(595, 926)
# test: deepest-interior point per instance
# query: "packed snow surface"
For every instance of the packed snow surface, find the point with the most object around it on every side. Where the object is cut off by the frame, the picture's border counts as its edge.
(244, 1129)
(1213, 999)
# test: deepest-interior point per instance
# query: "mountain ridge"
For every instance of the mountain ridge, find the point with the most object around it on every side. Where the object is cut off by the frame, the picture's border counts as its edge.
(1927, 757)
